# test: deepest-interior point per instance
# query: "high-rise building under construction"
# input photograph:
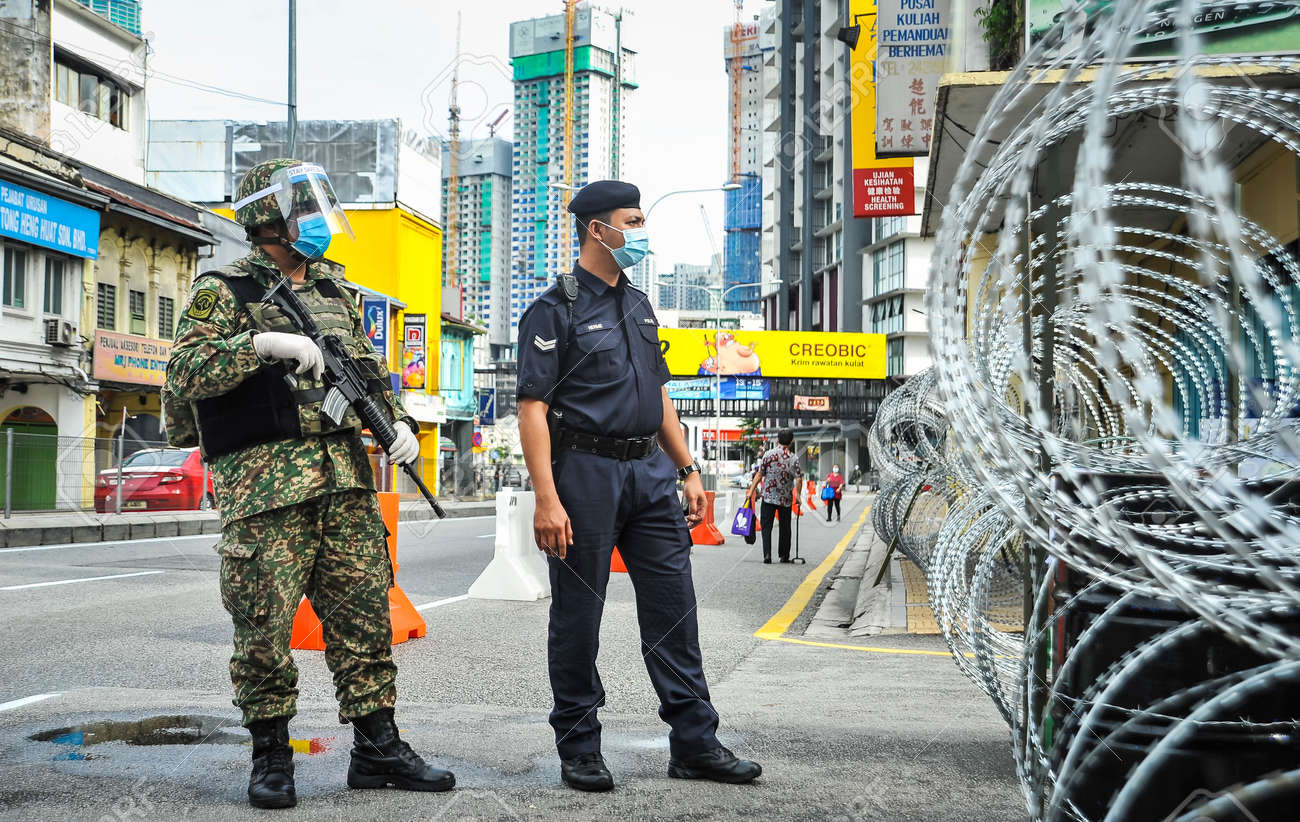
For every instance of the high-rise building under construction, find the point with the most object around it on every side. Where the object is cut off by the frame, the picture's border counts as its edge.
(483, 225)
(601, 71)
(743, 220)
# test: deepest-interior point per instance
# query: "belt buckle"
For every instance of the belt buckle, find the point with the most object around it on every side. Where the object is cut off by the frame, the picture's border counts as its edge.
(624, 450)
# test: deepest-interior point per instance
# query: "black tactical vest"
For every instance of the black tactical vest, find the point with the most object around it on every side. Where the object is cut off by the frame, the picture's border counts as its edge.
(265, 407)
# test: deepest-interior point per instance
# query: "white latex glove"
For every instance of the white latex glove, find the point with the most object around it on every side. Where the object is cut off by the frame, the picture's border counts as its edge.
(275, 345)
(406, 447)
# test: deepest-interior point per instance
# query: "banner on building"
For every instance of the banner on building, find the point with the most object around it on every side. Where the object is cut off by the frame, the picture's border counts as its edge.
(1223, 28)
(374, 321)
(882, 186)
(913, 41)
(130, 359)
(48, 222)
(413, 351)
(802, 403)
(692, 352)
(733, 388)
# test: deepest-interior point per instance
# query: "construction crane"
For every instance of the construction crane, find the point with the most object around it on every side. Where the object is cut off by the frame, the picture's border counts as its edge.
(492, 126)
(570, 15)
(450, 275)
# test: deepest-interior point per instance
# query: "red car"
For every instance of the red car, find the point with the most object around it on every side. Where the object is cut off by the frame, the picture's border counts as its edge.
(156, 479)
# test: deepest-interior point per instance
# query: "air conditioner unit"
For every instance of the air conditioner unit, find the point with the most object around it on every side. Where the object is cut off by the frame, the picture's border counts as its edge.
(60, 332)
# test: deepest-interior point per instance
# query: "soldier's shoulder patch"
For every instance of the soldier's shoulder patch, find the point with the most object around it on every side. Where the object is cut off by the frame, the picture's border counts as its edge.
(205, 299)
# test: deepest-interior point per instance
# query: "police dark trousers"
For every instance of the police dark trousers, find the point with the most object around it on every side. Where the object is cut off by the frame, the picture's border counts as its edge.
(644, 518)
(765, 519)
(595, 357)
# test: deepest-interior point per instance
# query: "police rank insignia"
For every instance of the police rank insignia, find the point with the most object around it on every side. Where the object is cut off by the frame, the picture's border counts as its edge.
(202, 304)
(543, 345)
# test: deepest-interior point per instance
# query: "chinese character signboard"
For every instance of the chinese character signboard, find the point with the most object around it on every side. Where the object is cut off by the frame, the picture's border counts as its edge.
(913, 41)
(882, 186)
(413, 354)
(802, 403)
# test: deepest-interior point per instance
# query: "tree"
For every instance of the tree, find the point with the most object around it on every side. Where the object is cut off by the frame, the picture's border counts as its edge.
(751, 438)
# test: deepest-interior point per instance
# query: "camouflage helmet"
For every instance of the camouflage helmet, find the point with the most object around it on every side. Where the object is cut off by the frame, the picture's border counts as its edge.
(263, 210)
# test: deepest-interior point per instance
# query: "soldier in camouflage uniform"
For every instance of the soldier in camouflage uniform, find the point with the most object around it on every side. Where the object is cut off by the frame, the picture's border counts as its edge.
(296, 493)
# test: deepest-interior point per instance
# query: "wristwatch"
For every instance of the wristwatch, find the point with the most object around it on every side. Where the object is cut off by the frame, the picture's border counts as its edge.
(693, 468)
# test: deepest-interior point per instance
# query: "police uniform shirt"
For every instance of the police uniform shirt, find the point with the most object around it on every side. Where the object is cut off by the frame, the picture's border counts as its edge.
(606, 373)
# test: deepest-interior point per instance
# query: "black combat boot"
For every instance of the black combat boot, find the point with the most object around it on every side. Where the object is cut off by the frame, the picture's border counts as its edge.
(271, 783)
(719, 765)
(380, 758)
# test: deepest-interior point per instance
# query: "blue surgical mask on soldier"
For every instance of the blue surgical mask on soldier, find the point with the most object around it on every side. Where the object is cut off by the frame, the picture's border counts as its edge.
(636, 244)
(313, 236)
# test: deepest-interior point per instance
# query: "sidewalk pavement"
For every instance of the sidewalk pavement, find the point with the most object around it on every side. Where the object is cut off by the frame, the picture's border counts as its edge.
(64, 527)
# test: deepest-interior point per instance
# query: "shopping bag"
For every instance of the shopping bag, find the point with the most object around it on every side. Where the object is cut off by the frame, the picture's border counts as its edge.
(828, 493)
(743, 523)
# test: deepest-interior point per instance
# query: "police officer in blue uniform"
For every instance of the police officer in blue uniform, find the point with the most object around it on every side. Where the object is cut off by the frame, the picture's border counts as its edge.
(605, 451)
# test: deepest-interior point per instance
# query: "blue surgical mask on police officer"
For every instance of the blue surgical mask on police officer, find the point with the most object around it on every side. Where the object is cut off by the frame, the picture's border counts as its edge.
(313, 236)
(636, 244)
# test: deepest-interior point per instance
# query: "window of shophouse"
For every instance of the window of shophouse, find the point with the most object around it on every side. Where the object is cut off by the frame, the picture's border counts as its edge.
(106, 307)
(15, 277)
(54, 270)
(166, 313)
(135, 301)
(889, 226)
(887, 316)
(91, 93)
(887, 268)
(894, 358)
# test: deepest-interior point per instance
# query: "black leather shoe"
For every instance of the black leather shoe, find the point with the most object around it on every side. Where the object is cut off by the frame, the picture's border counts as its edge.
(719, 764)
(767, 560)
(586, 772)
(380, 758)
(270, 785)
(785, 560)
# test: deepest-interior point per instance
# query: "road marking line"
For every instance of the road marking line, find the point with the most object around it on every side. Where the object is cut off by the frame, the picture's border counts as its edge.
(4, 551)
(784, 618)
(447, 601)
(27, 700)
(79, 579)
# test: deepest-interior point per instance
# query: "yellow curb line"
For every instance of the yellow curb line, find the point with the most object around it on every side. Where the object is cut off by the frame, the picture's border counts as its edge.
(775, 628)
(784, 618)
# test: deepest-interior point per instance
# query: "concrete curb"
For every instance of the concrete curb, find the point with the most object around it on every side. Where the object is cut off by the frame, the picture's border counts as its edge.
(29, 530)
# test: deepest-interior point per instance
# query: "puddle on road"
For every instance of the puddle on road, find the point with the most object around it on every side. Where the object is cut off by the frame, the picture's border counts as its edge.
(155, 730)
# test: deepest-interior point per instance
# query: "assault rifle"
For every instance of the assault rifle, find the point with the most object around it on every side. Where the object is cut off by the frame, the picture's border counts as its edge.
(347, 385)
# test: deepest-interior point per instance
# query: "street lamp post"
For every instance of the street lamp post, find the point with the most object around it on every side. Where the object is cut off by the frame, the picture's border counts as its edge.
(717, 371)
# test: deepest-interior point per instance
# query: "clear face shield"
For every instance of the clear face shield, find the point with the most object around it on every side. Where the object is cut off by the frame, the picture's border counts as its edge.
(310, 209)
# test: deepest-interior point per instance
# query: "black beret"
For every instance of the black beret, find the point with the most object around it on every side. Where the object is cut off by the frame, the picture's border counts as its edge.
(603, 196)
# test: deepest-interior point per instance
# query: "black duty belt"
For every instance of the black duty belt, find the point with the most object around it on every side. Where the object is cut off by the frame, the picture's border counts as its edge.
(632, 448)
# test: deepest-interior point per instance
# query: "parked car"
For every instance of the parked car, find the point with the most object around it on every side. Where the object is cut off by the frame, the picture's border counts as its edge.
(156, 479)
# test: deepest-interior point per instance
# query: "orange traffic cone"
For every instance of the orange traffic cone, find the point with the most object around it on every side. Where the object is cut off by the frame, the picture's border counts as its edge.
(707, 533)
(407, 622)
(616, 562)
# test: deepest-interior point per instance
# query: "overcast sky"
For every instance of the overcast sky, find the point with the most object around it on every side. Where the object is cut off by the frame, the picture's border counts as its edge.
(390, 58)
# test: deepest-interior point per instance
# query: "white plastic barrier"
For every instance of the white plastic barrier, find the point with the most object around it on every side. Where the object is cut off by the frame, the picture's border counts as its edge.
(518, 570)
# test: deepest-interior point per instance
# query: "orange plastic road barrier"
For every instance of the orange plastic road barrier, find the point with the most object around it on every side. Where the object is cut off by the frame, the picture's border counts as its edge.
(616, 562)
(407, 622)
(812, 495)
(707, 533)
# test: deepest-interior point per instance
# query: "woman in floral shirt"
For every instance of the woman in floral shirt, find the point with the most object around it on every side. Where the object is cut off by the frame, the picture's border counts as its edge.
(777, 474)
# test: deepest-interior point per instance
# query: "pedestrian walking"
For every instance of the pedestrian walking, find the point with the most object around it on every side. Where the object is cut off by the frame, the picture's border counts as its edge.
(605, 451)
(296, 490)
(834, 482)
(774, 484)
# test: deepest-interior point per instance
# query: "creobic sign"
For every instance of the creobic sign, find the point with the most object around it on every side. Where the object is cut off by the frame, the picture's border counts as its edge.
(692, 352)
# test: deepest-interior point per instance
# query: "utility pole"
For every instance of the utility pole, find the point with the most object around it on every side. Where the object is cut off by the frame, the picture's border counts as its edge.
(293, 78)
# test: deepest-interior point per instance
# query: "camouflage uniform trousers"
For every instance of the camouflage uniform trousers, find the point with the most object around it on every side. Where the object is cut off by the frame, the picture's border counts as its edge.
(333, 549)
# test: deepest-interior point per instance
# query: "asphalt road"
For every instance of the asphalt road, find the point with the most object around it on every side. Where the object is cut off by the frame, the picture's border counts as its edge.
(843, 734)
